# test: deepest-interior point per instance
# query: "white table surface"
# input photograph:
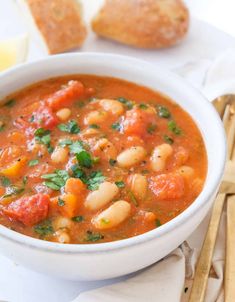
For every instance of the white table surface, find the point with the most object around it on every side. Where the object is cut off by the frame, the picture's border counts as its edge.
(204, 42)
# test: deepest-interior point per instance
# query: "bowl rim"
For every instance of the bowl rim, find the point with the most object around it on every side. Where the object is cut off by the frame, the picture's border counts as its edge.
(207, 192)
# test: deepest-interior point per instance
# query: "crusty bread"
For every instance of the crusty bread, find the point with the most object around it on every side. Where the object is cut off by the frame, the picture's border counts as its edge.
(59, 23)
(143, 23)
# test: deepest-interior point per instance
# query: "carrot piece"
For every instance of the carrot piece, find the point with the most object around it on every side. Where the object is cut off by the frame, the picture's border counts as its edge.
(14, 169)
(75, 186)
(67, 204)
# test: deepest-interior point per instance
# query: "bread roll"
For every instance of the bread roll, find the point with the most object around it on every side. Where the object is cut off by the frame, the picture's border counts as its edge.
(143, 23)
(58, 22)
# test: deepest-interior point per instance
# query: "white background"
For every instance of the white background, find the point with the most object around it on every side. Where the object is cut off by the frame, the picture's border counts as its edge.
(20, 285)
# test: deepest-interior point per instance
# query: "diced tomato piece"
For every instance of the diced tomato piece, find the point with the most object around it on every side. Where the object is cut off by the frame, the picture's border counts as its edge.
(167, 186)
(67, 95)
(42, 117)
(29, 210)
(137, 120)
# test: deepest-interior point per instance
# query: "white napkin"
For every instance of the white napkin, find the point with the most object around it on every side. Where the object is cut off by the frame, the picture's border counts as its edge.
(170, 279)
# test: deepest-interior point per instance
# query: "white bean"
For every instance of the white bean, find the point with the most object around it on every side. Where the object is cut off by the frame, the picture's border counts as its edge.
(62, 236)
(159, 157)
(62, 223)
(63, 114)
(186, 171)
(112, 216)
(112, 106)
(107, 148)
(131, 156)
(95, 117)
(139, 186)
(60, 155)
(90, 132)
(98, 198)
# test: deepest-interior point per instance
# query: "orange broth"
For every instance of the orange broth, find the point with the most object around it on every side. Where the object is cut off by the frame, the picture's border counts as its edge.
(148, 120)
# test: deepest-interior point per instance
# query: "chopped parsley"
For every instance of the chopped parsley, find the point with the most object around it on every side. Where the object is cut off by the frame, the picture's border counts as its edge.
(116, 126)
(84, 159)
(77, 172)
(120, 184)
(143, 106)
(13, 190)
(70, 127)
(43, 136)
(125, 102)
(94, 126)
(173, 127)
(33, 162)
(92, 237)
(163, 112)
(77, 218)
(10, 103)
(60, 202)
(94, 180)
(168, 139)
(151, 128)
(76, 147)
(132, 198)
(25, 179)
(5, 181)
(112, 162)
(105, 221)
(65, 142)
(56, 180)
(158, 223)
(44, 228)
(2, 127)
(31, 120)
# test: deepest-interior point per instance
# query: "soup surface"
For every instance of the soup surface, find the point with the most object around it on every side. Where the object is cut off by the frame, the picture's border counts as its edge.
(87, 159)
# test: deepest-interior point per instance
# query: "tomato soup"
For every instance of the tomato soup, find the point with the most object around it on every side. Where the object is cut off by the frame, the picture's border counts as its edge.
(88, 159)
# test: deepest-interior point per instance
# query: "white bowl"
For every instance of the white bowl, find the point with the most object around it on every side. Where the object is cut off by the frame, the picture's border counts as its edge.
(113, 259)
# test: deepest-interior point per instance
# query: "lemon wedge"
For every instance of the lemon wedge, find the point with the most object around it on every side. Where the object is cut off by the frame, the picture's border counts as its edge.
(13, 51)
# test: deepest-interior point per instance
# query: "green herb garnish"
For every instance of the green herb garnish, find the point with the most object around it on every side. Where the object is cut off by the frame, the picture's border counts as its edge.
(56, 180)
(77, 218)
(168, 139)
(126, 102)
(158, 223)
(43, 136)
(116, 126)
(163, 112)
(94, 126)
(2, 126)
(84, 159)
(13, 190)
(25, 179)
(60, 202)
(33, 162)
(94, 179)
(78, 173)
(112, 162)
(173, 127)
(143, 106)
(133, 199)
(92, 237)
(151, 128)
(31, 119)
(5, 181)
(65, 142)
(10, 103)
(70, 127)
(44, 228)
(120, 184)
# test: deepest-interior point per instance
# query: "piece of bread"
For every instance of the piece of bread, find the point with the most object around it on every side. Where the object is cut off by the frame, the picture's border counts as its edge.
(143, 23)
(59, 23)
